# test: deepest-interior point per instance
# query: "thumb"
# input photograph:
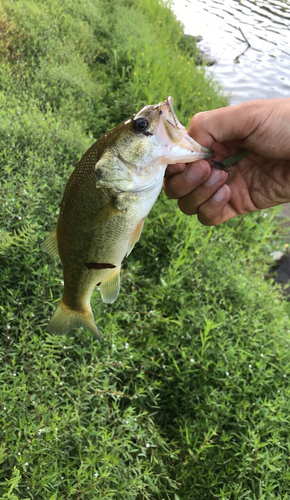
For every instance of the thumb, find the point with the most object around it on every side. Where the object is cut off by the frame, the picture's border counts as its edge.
(233, 123)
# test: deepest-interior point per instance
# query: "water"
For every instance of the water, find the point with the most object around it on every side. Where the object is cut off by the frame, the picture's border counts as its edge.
(259, 71)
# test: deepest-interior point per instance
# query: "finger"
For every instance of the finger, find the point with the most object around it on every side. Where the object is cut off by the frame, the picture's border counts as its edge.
(222, 125)
(217, 209)
(174, 169)
(190, 203)
(183, 183)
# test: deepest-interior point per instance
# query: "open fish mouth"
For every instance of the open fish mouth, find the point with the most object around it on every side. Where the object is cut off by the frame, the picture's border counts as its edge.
(172, 117)
(178, 135)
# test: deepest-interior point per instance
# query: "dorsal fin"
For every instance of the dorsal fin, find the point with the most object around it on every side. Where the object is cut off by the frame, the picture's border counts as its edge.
(50, 244)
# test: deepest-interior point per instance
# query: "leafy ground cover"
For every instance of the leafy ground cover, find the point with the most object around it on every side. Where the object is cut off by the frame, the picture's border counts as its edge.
(188, 396)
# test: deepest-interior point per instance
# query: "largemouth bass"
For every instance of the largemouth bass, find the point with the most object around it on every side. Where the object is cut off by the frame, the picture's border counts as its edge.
(105, 203)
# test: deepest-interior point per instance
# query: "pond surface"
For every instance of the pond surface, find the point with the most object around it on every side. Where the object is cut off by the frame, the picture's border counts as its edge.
(249, 40)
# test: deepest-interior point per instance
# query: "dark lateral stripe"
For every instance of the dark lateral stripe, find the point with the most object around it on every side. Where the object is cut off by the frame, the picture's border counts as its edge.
(96, 265)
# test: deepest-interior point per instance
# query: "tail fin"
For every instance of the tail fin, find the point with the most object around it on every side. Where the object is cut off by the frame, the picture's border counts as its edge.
(65, 319)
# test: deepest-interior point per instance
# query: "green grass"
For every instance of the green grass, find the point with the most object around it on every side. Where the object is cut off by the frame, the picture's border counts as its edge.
(188, 396)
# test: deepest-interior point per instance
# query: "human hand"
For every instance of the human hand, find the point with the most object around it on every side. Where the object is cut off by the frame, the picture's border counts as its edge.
(261, 180)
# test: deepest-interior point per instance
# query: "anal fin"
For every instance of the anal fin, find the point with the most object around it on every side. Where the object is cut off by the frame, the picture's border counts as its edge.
(111, 287)
(50, 244)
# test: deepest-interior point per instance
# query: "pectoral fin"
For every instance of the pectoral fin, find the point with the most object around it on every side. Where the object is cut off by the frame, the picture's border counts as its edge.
(135, 235)
(106, 213)
(50, 244)
(111, 287)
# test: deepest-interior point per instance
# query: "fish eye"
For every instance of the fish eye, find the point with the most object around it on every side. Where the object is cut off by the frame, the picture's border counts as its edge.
(140, 124)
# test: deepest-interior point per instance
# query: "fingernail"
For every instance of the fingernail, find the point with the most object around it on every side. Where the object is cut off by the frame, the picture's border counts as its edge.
(196, 171)
(221, 194)
(215, 177)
